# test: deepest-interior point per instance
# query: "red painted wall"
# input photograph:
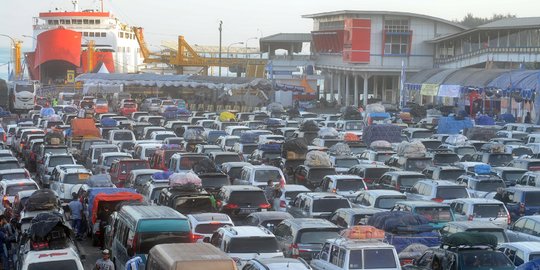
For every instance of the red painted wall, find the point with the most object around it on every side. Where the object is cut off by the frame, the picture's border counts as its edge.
(357, 41)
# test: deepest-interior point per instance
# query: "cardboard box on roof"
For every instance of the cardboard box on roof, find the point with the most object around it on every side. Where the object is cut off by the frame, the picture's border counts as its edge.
(84, 127)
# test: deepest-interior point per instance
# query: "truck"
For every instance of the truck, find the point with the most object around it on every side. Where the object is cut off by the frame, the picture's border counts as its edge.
(81, 128)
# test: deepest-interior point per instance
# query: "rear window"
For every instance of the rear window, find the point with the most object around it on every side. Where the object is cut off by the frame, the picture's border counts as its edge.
(449, 193)
(186, 163)
(161, 231)
(433, 145)
(253, 245)
(383, 157)
(248, 197)
(320, 173)
(234, 173)
(489, 210)
(291, 195)
(193, 205)
(125, 167)
(417, 164)
(489, 185)
(469, 150)
(265, 175)
(347, 163)
(435, 214)
(123, 136)
(387, 202)
(512, 176)
(451, 174)
(532, 198)
(65, 264)
(329, 205)
(499, 159)
(13, 176)
(375, 173)
(372, 259)
(533, 166)
(421, 134)
(13, 190)
(349, 184)
(410, 180)
(214, 180)
(55, 150)
(55, 161)
(142, 179)
(76, 178)
(111, 159)
(485, 260)
(9, 165)
(317, 236)
(445, 158)
(149, 152)
(226, 158)
(209, 228)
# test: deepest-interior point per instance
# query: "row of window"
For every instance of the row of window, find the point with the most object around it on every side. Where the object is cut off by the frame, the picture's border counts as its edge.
(94, 34)
(126, 35)
(396, 44)
(73, 21)
(396, 25)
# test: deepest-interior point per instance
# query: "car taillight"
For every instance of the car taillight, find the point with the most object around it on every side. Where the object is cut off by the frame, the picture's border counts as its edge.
(295, 253)
(264, 206)
(230, 206)
(440, 200)
(405, 261)
(521, 209)
(509, 218)
(283, 204)
(195, 237)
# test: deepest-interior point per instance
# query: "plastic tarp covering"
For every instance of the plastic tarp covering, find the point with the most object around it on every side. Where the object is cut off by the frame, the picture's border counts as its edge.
(483, 120)
(249, 137)
(340, 149)
(84, 127)
(375, 108)
(43, 199)
(470, 239)
(275, 107)
(413, 251)
(194, 135)
(100, 180)
(398, 221)
(411, 149)
(402, 241)
(530, 265)
(54, 117)
(309, 126)
(161, 175)
(383, 132)
(509, 118)
(482, 133)
(185, 180)
(44, 223)
(46, 112)
(109, 195)
(351, 113)
(54, 138)
(449, 125)
(298, 145)
(328, 133)
(456, 139)
(108, 122)
(227, 117)
(380, 144)
(317, 159)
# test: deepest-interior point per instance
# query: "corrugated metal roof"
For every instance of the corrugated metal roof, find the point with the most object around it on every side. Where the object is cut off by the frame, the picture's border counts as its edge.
(288, 37)
(517, 23)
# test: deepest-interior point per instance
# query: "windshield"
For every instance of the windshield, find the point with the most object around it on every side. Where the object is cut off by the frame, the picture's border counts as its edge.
(56, 150)
(14, 189)
(150, 239)
(445, 158)
(450, 174)
(214, 181)
(55, 161)
(499, 159)
(193, 205)
(109, 160)
(435, 214)
(226, 158)
(13, 176)
(354, 125)
(265, 175)
(346, 162)
(474, 260)
(123, 136)
(329, 205)
(317, 236)
(357, 149)
(522, 151)
(421, 134)
(76, 178)
(450, 193)
(149, 152)
(432, 144)
(489, 210)
(320, 173)
(99, 151)
(186, 163)
(410, 180)
(248, 149)
(234, 173)
(349, 184)
(65, 265)
(383, 157)
(534, 256)
(231, 142)
(417, 164)
(388, 202)
(489, 185)
(253, 245)
(512, 176)
(24, 88)
(161, 137)
(468, 150)
(375, 173)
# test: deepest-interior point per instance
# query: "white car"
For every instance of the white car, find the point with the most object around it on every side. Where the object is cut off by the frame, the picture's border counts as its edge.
(203, 225)
(66, 258)
(485, 210)
(69, 181)
(289, 193)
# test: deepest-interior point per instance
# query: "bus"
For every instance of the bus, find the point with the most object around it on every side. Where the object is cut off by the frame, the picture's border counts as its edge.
(22, 95)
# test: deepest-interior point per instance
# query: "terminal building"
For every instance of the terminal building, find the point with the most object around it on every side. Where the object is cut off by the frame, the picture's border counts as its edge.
(364, 54)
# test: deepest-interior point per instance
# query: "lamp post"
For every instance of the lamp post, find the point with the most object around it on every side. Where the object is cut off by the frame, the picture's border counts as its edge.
(34, 47)
(16, 55)
(251, 38)
(220, 32)
(228, 47)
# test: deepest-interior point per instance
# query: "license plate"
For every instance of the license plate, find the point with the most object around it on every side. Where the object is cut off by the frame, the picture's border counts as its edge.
(247, 211)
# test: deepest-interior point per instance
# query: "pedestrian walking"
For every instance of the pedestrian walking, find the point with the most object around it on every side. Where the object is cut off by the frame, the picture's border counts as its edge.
(76, 210)
(105, 262)
(269, 190)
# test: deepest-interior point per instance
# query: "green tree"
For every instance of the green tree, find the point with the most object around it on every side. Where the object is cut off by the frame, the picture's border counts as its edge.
(470, 20)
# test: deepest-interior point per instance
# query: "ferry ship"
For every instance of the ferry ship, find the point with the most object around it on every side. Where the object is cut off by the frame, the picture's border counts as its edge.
(68, 43)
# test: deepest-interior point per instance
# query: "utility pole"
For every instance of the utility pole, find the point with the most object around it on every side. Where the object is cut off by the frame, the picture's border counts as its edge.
(220, 30)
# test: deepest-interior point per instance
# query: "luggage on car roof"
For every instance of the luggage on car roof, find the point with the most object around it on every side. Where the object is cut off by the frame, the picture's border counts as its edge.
(385, 132)
(470, 239)
(413, 149)
(317, 159)
(400, 222)
(185, 181)
(43, 199)
(309, 125)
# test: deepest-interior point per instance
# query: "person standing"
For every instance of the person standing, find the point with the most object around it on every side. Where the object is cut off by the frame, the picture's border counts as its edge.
(527, 119)
(76, 209)
(269, 191)
(105, 262)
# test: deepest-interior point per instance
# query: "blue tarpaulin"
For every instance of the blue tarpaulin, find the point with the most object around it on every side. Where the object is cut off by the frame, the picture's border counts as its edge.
(449, 125)
(401, 241)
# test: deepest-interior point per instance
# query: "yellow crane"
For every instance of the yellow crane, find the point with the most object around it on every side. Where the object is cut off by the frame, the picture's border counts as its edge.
(186, 56)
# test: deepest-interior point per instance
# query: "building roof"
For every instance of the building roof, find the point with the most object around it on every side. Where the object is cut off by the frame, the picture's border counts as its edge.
(287, 37)
(525, 22)
(374, 12)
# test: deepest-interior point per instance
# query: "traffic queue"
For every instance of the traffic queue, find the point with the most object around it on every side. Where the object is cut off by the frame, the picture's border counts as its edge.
(162, 187)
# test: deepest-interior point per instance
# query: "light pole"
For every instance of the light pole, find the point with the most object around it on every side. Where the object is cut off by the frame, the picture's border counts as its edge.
(220, 31)
(16, 55)
(228, 47)
(34, 47)
(251, 38)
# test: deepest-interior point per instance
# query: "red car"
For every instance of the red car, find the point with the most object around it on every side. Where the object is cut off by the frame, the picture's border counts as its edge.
(128, 108)
(120, 169)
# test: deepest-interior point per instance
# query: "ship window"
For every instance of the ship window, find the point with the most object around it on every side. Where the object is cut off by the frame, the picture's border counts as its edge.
(55, 22)
(68, 21)
(121, 34)
(98, 21)
(91, 21)
(85, 21)
(49, 22)
(77, 21)
(62, 22)
(91, 34)
(103, 34)
(85, 34)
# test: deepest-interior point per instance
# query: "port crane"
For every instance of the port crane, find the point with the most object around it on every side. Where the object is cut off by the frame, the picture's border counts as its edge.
(185, 56)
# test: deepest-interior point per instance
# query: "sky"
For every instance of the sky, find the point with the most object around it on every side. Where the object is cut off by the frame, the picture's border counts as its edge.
(243, 20)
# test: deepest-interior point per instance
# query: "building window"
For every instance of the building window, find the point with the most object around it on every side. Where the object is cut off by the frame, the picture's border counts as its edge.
(335, 25)
(396, 25)
(396, 44)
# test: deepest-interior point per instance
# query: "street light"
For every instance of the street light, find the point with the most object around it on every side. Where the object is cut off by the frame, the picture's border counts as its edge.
(228, 47)
(251, 38)
(16, 55)
(34, 46)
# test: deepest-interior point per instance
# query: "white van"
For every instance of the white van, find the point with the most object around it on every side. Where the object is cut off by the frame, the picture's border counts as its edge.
(52, 259)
